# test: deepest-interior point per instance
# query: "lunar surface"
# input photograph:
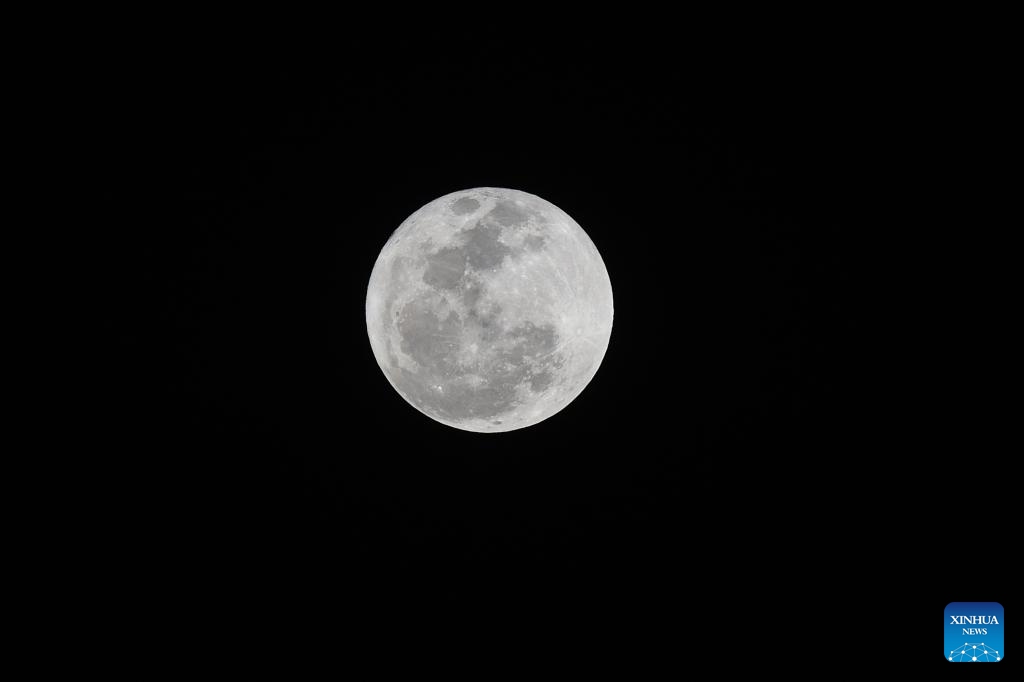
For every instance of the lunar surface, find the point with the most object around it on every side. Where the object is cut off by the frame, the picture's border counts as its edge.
(489, 309)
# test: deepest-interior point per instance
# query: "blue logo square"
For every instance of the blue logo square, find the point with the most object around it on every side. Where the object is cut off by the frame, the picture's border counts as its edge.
(973, 632)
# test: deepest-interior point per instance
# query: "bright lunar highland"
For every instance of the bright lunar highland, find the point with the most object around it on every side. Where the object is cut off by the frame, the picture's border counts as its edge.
(489, 309)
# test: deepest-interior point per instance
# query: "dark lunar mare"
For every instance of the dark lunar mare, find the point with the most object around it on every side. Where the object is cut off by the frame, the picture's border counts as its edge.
(508, 214)
(465, 205)
(483, 250)
(445, 268)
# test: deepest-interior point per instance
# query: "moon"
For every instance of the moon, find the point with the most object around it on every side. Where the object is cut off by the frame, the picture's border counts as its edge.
(489, 309)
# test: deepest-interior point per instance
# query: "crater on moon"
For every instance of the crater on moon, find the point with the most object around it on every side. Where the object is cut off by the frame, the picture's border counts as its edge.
(489, 309)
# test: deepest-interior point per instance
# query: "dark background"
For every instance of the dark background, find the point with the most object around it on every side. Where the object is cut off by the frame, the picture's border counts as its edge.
(259, 459)
(255, 199)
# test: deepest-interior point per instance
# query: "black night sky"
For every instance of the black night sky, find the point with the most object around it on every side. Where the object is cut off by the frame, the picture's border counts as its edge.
(259, 447)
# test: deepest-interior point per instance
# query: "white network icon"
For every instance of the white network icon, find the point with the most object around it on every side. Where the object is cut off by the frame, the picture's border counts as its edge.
(973, 652)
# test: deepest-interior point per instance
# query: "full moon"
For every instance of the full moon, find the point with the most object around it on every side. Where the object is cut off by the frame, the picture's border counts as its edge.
(489, 309)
